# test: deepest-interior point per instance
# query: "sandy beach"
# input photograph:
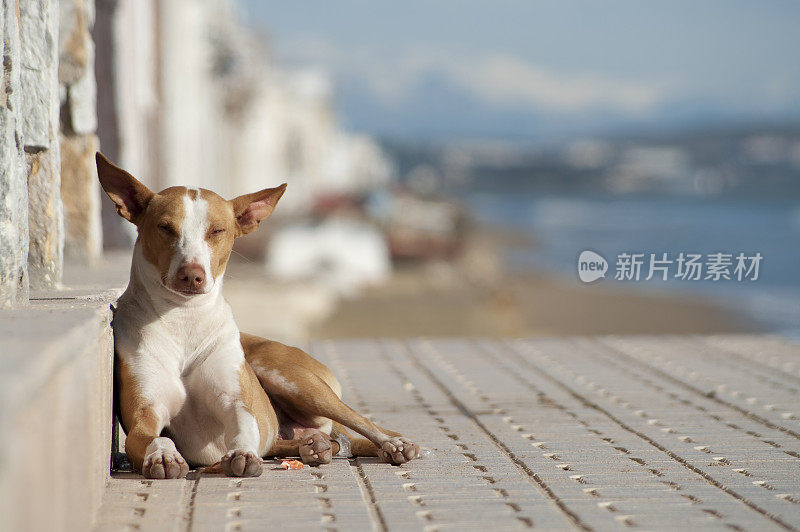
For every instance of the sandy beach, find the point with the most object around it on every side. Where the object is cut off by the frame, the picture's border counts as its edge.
(520, 305)
(473, 295)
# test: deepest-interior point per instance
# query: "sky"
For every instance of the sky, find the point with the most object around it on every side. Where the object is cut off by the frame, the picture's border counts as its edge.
(520, 69)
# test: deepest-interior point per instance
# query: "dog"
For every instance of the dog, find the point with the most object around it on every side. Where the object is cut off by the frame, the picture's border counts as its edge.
(192, 389)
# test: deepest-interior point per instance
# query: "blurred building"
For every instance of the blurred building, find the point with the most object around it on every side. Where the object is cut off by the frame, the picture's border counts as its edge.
(194, 99)
(178, 92)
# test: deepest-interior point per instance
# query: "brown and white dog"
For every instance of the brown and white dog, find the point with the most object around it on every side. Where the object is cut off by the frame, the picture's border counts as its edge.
(192, 388)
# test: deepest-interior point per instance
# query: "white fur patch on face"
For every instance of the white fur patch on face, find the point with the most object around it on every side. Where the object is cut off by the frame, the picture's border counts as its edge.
(192, 246)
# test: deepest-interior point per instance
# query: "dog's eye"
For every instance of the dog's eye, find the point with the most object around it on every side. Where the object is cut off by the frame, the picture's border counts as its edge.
(166, 228)
(214, 232)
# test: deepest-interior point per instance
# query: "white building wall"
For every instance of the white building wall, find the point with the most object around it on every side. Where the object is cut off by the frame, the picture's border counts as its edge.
(190, 110)
(199, 103)
(136, 68)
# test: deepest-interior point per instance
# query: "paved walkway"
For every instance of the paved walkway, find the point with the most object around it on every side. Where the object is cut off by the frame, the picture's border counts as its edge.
(594, 434)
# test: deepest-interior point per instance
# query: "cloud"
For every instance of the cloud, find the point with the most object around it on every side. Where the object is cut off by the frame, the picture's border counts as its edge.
(502, 79)
(491, 78)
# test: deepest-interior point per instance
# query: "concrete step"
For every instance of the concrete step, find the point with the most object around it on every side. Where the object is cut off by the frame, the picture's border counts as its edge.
(55, 410)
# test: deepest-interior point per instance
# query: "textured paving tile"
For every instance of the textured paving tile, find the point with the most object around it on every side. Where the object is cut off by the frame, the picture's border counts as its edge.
(696, 433)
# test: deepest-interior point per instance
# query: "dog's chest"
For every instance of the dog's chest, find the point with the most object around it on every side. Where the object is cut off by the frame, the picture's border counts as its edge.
(197, 431)
(173, 336)
(184, 360)
(196, 426)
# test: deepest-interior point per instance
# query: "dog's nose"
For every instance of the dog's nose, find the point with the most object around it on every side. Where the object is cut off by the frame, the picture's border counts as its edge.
(190, 277)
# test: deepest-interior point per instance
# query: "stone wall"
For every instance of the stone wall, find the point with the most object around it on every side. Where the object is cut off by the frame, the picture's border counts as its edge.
(13, 177)
(39, 115)
(49, 194)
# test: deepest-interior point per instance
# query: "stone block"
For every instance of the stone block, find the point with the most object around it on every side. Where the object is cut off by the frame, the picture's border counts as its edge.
(76, 66)
(38, 115)
(74, 41)
(82, 103)
(45, 219)
(13, 188)
(38, 75)
(80, 194)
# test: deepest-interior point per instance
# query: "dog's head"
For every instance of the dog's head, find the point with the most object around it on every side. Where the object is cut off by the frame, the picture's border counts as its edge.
(185, 233)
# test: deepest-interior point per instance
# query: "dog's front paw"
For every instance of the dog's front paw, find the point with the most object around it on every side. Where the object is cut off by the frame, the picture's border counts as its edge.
(398, 450)
(316, 449)
(163, 460)
(239, 463)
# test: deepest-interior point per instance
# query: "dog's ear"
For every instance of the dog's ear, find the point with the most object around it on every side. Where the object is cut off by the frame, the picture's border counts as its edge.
(251, 209)
(130, 196)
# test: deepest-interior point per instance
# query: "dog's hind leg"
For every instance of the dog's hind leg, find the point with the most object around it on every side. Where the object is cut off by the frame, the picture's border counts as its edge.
(302, 388)
(313, 447)
(359, 446)
(316, 448)
(311, 401)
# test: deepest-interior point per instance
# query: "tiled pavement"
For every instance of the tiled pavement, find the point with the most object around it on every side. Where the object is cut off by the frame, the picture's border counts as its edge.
(588, 433)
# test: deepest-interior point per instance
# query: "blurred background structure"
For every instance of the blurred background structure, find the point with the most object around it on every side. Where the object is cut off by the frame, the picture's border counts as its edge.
(553, 129)
(446, 163)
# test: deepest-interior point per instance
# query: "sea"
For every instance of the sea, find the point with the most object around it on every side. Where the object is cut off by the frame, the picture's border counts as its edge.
(562, 225)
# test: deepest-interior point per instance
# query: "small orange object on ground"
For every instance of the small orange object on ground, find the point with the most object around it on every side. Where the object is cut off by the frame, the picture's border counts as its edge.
(292, 464)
